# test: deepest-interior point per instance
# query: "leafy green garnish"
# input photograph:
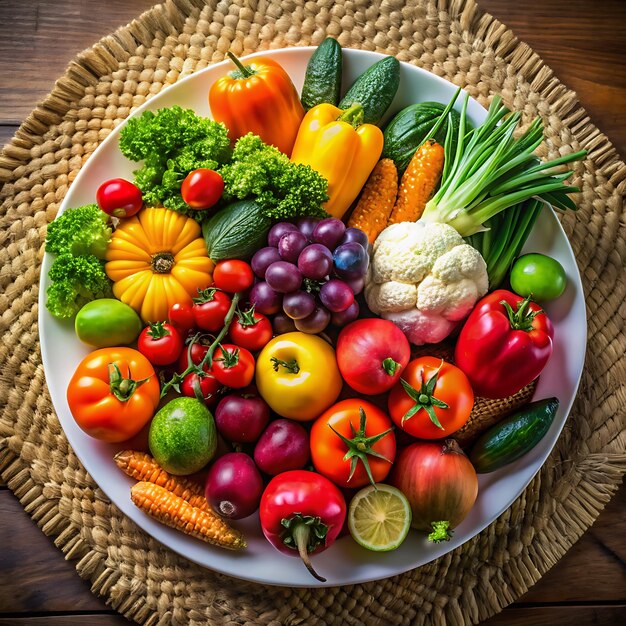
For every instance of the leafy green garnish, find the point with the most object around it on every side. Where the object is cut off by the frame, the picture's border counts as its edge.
(283, 189)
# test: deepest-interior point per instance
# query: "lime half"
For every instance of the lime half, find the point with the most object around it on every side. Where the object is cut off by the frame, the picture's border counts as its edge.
(379, 517)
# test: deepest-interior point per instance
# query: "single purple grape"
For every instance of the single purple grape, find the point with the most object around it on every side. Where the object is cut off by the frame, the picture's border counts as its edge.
(335, 295)
(298, 304)
(262, 259)
(314, 323)
(356, 284)
(265, 299)
(355, 234)
(277, 231)
(291, 244)
(351, 260)
(345, 317)
(306, 225)
(282, 324)
(329, 232)
(315, 261)
(283, 277)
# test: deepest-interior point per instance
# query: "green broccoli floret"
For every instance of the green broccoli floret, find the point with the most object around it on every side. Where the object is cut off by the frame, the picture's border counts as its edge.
(172, 142)
(83, 230)
(75, 280)
(284, 190)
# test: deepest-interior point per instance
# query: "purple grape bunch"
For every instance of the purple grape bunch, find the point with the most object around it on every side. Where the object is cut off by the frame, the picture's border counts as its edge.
(309, 274)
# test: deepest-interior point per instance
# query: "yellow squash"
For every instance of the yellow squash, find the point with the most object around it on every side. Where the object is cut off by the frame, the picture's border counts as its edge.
(155, 259)
(337, 145)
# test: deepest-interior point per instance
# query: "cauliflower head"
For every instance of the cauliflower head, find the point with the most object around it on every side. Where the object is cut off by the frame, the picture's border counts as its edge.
(424, 278)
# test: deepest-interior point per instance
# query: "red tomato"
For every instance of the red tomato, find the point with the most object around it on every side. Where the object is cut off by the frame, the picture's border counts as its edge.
(348, 441)
(372, 354)
(233, 275)
(119, 197)
(202, 188)
(160, 343)
(207, 385)
(431, 392)
(210, 309)
(196, 351)
(181, 315)
(251, 330)
(233, 366)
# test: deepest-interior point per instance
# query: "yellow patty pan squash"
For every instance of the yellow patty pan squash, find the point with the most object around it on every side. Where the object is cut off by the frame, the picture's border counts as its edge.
(155, 259)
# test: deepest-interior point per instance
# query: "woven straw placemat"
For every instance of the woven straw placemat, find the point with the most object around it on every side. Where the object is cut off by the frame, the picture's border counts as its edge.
(151, 584)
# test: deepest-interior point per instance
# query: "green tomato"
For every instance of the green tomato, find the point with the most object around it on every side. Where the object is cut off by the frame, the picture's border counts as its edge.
(107, 322)
(538, 275)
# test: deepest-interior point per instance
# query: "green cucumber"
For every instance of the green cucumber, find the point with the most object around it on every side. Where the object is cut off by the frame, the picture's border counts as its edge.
(514, 436)
(237, 231)
(322, 79)
(409, 128)
(374, 90)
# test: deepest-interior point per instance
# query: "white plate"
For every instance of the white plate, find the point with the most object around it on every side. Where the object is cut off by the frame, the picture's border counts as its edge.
(345, 562)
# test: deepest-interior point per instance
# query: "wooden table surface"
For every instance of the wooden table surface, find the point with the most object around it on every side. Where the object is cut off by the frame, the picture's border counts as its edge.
(584, 41)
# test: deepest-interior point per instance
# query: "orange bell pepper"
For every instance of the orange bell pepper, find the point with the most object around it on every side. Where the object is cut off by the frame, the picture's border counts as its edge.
(258, 98)
(342, 149)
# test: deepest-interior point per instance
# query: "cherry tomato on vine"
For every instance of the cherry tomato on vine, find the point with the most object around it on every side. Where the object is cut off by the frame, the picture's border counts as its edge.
(202, 188)
(181, 316)
(251, 330)
(208, 386)
(432, 400)
(233, 366)
(160, 343)
(353, 443)
(233, 275)
(196, 351)
(119, 197)
(210, 309)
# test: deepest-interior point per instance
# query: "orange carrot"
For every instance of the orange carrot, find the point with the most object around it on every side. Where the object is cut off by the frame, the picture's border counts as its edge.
(418, 183)
(177, 513)
(141, 466)
(377, 199)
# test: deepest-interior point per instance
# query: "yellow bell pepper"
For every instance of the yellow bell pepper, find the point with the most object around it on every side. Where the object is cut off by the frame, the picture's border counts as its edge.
(298, 376)
(337, 145)
(156, 259)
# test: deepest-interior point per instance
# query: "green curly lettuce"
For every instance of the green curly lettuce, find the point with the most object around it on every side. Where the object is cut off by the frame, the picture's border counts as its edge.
(75, 281)
(283, 189)
(172, 142)
(82, 230)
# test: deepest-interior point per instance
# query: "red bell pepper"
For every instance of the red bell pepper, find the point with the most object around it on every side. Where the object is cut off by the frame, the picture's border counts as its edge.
(301, 514)
(504, 344)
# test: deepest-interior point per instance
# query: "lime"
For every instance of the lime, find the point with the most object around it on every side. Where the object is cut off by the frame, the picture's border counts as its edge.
(379, 517)
(183, 437)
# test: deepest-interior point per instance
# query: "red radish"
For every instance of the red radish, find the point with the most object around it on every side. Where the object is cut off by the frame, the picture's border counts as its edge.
(242, 418)
(234, 486)
(440, 483)
(283, 446)
(371, 354)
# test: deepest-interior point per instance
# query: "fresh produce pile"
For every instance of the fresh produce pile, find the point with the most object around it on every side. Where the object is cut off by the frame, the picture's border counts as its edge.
(255, 296)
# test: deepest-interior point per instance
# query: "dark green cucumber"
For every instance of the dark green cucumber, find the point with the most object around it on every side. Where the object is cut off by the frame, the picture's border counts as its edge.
(237, 231)
(514, 436)
(374, 90)
(322, 79)
(409, 128)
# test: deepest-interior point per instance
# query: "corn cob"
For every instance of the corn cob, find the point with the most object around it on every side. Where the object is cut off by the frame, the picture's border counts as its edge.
(418, 183)
(142, 466)
(177, 513)
(377, 199)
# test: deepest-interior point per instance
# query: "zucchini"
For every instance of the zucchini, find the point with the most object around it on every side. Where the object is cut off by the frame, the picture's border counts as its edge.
(237, 231)
(374, 90)
(322, 79)
(514, 436)
(409, 128)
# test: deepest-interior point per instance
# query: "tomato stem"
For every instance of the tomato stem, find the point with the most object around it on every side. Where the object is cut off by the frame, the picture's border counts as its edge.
(291, 366)
(162, 262)
(424, 398)
(123, 388)
(208, 357)
(390, 366)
